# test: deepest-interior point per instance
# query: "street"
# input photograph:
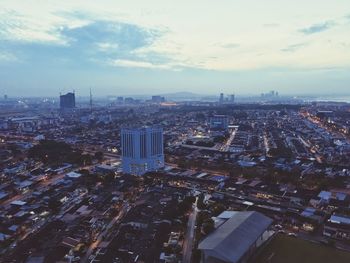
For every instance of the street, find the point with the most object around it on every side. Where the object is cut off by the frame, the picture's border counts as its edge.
(189, 237)
(100, 237)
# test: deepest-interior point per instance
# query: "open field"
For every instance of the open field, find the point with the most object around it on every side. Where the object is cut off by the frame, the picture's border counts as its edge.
(284, 249)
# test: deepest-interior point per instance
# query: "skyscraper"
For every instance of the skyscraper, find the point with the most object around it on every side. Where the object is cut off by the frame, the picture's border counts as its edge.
(67, 101)
(232, 98)
(90, 101)
(218, 122)
(221, 100)
(142, 150)
(158, 99)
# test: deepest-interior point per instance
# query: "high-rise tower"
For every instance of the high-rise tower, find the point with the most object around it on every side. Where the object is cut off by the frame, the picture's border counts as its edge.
(142, 150)
(221, 99)
(67, 101)
(90, 101)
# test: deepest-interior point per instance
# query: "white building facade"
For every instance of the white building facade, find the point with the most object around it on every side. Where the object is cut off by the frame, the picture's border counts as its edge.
(142, 150)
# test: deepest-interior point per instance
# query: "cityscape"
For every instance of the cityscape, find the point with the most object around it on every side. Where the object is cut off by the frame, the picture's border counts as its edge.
(125, 141)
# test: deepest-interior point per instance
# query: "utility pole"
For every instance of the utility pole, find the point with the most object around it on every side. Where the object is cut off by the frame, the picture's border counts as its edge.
(90, 101)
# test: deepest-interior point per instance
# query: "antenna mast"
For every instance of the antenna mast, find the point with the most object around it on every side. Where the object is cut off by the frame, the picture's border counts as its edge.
(90, 100)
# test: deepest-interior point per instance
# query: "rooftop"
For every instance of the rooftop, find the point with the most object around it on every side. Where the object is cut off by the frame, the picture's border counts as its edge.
(232, 239)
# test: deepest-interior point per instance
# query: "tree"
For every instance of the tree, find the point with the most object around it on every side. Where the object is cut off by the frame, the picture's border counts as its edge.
(14, 149)
(99, 156)
(84, 172)
(54, 204)
(148, 179)
(185, 205)
(85, 159)
(190, 199)
(200, 202)
(219, 139)
(189, 142)
(89, 180)
(108, 179)
(202, 216)
(196, 256)
(218, 208)
(205, 143)
(169, 212)
(208, 226)
(49, 151)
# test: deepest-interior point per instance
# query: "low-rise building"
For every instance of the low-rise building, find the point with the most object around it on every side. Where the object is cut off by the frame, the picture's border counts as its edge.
(235, 240)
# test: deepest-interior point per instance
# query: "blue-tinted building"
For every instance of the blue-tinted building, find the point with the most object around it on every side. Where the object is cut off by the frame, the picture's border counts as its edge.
(67, 101)
(142, 150)
(219, 122)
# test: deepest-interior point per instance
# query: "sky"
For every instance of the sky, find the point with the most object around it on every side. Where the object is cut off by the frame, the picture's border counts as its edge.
(131, 47)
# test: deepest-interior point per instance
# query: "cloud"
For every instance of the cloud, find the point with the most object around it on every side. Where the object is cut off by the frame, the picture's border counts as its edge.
(107, 46)
(294, 47)
(271, 25)
(27, 29)
(89, 42)
(78, 38)
(74, 36)
(121, 35)
(7, 57)
(231, 45)
(126, 45)
(317, 28)
(138, 64)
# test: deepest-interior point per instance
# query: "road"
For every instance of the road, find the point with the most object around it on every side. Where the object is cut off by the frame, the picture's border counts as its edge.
(52, 179)
(106, 154)
(202, 170)
(41, 185)
(100, 237)
(23, 196)
(226, 146)
(266, 143)
(189, 237)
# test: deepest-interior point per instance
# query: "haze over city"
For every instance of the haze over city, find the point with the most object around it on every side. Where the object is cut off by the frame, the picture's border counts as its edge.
(146, 47)
(187, 131)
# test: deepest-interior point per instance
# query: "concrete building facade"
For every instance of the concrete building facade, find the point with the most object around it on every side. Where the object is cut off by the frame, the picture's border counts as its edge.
(142, 150)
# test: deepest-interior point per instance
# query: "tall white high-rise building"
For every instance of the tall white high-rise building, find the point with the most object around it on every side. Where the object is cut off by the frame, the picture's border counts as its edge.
(142, 150)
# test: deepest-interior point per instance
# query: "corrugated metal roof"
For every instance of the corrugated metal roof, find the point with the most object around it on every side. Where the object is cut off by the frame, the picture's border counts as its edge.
(233, 238)
(227, 214)
(338, 219)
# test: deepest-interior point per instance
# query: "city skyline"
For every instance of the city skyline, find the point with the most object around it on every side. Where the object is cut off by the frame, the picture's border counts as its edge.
(153, 48)
(166, 131)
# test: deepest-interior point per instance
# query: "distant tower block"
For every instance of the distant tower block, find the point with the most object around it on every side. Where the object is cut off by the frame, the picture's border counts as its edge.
(90, 100)
(67, 101)
(221, 99)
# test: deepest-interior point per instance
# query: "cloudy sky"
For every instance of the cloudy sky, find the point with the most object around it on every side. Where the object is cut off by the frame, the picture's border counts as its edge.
(161, 46)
